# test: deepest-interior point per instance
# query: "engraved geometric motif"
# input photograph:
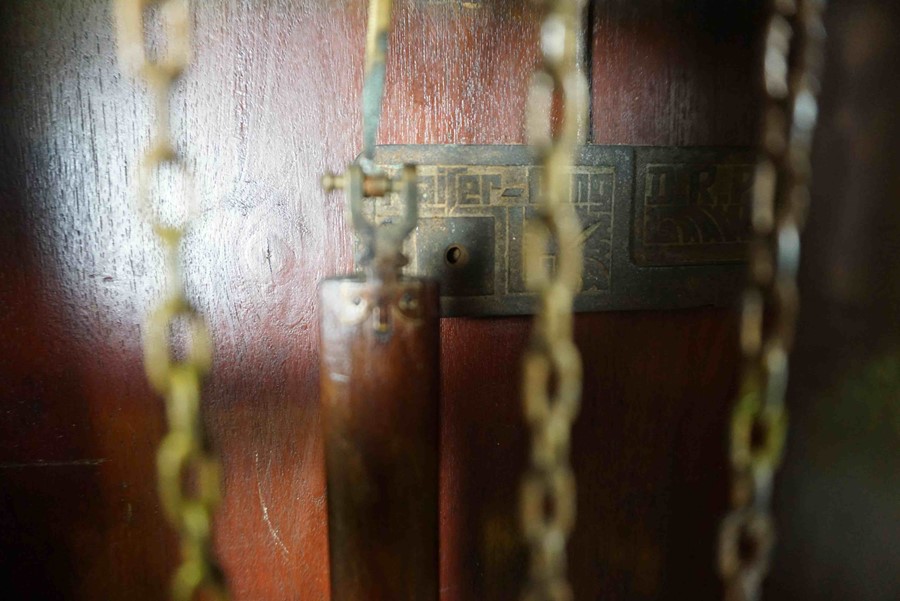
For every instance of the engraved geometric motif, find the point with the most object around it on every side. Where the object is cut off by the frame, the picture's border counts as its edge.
(692, 213)
(508, 194)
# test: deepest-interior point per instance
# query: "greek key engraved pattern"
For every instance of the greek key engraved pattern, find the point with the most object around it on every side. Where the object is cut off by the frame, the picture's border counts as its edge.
(508, 194)
(661, 227)
(591, 191)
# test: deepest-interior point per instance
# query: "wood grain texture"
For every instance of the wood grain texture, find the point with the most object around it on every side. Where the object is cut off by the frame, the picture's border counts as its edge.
(271, 102)
(380, 403)
(679, 73)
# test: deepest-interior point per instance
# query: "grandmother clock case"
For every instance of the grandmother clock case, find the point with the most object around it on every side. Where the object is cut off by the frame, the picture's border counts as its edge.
(270, 103)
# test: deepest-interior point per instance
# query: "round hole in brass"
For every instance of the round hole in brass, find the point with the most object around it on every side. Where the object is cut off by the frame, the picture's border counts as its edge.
(456, 255)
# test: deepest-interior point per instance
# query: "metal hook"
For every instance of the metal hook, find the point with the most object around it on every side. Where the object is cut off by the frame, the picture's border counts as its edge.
(382, 244)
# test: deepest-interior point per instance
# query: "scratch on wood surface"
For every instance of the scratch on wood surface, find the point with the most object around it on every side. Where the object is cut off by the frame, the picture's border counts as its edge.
(40, 463)
(265, 512)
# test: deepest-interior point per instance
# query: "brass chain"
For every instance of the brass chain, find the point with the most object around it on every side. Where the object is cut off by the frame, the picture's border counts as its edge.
(187, 469)
(552, 363)
(792, 67)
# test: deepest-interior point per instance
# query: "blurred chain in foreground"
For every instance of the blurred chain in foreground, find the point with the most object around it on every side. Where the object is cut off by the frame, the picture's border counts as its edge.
(552, 363)
(188, 471)
(792, 67)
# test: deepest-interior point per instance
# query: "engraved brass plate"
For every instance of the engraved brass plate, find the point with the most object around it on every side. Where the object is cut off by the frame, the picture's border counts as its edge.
(663, 228)
(691, 206)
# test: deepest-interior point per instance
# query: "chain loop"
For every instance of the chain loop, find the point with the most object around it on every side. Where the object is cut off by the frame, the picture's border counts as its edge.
(188, 471)
(792, 65)
(552, 363)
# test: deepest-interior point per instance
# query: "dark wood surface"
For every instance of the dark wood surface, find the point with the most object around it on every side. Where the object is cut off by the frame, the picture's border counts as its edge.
(380, 403)
(271, 102)
(838, 495)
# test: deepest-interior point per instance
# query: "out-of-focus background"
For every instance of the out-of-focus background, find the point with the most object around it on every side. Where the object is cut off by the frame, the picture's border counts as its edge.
(271, 102)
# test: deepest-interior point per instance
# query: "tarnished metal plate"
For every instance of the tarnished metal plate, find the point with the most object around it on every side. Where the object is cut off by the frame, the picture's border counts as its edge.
(662, 227)
(690, 206)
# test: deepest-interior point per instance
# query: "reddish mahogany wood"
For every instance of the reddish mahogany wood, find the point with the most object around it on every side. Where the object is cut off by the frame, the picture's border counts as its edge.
(676, 73)
(270, 103)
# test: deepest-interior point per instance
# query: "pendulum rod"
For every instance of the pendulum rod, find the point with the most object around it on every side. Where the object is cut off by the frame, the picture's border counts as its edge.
(379, 375)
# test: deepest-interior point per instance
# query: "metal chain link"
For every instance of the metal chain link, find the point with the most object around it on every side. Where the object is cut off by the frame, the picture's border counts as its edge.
(792, 66)
(552, 363)
(187, 470)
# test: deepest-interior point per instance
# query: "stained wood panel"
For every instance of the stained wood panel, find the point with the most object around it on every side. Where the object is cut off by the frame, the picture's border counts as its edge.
(676, 73)
(271, 102)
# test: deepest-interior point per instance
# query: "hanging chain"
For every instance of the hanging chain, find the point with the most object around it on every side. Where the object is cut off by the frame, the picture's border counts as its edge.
(187, 470)
(792, 67)
(552, 364)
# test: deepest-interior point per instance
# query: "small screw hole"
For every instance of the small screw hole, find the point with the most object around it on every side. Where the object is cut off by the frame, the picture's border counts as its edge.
(456, 255)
